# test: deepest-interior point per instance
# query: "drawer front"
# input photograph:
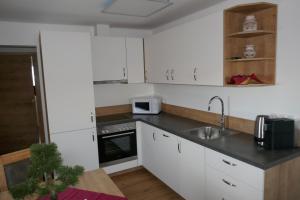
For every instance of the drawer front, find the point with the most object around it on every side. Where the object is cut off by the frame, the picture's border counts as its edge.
(235, 168)
(222, 187)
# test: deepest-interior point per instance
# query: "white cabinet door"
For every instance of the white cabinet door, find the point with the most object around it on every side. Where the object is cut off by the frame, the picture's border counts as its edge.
(135, 60)
(68, 80)
(204, 50)
(192, 166)
(109, 58)
(156, 59)
(168, 160)
(78, 148)
(149, 150)
(191, 53)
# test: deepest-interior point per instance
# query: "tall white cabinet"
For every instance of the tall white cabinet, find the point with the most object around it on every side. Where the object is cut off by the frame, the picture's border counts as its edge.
(67, 69)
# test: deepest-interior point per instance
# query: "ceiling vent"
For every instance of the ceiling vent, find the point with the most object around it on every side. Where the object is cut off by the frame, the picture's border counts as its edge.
(136, 8)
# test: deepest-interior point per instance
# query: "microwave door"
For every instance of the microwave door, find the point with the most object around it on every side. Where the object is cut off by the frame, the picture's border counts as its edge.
(143, 106)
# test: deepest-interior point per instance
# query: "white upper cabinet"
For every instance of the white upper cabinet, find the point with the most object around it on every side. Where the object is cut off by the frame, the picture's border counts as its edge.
(135, 60)
(204, 50)
(191, 53)
(118, 59)
(68, 80)
(109, 58)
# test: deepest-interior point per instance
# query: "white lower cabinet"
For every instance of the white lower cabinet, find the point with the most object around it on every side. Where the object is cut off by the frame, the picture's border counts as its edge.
(220, 186)
(149, 150)
(177, 162)
(231, 178)
(78, 148)
(192, 166)
(168, 159)
(196, 172)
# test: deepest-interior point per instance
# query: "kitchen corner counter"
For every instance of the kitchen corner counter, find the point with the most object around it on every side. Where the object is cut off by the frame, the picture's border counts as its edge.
(239, 145)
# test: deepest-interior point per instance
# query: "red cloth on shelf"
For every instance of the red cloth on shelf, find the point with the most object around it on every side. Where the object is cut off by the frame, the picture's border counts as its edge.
(244, 79)
(78, 194)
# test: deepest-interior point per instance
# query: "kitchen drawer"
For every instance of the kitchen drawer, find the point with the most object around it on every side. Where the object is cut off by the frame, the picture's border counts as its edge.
(235, 168)
(223, 187)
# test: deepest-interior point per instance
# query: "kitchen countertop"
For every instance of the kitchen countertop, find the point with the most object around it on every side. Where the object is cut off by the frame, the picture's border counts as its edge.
(239, 145)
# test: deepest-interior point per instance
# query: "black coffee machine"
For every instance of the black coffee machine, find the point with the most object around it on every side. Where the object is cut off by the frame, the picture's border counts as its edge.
(278, 133)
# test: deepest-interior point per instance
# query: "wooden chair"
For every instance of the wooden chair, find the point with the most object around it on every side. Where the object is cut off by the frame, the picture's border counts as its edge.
(9, 159)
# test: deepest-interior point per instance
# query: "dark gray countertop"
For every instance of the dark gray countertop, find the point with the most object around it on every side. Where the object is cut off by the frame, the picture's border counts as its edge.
(239, 145)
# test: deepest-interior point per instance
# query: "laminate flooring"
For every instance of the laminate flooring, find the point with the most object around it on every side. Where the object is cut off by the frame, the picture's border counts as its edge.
(142, 185)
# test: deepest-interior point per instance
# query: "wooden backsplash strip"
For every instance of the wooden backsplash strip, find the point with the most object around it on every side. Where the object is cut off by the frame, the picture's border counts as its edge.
(113, 110)
(239, 124)
(234, 123)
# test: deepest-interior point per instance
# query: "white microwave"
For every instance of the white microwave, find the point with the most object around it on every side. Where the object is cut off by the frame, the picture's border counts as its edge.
(146, 105)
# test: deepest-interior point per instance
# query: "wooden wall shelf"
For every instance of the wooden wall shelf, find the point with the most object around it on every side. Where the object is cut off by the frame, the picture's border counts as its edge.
(264, 39)
(249, 59)
(250, 34)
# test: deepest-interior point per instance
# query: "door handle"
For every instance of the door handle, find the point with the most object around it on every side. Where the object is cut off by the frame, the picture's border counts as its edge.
(93, 138)
(153, 135)
(179, 147)
(229, 163)
(92, 117)
(172, 74)
(167, 74)
(124, 72)
(195, 73)
(228, 183)
(165, 135)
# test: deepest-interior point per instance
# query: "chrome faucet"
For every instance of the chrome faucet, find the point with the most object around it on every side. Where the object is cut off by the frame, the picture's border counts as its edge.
(222, 120)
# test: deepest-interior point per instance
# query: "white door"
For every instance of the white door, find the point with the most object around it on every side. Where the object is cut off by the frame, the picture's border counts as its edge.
(192, 166)
(78, 148)
(109, 58)
(168, 159)
(149, 150)
(135, 60)
(68, 80)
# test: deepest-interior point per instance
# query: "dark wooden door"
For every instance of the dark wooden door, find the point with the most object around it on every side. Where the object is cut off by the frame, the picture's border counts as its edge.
(18, 124)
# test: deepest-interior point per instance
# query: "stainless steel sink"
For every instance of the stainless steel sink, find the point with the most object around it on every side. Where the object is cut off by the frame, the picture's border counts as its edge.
(208, 132)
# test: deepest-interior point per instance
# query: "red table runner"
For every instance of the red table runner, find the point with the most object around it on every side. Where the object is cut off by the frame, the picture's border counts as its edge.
(77, 194)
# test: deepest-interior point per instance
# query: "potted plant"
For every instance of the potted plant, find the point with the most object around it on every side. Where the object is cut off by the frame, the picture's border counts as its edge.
(46, 174)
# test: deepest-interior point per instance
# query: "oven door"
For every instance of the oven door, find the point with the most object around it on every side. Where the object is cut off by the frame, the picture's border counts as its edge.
(117, 146)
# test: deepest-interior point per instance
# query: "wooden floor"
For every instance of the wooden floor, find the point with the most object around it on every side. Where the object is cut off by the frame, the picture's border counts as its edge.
(142, 185)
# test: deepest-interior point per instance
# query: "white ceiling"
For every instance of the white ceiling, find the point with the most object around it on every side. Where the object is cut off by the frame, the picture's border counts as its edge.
(88, 12)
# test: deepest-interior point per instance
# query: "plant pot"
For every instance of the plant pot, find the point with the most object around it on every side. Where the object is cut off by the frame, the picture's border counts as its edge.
(53, 195)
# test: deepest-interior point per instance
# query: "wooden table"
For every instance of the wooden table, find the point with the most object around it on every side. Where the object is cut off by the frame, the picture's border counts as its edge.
(96, 181)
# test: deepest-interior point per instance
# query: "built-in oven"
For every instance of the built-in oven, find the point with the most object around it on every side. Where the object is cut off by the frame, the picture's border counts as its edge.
(117, 143)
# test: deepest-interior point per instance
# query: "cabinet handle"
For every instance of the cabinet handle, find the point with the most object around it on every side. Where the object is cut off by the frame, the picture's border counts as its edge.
(92, 117)
(167, 74)
(124, 73)
(93, 138)
(153, 135)
(195, 73)
(228, 183)
(165, 135)
(179, 147)
(229, 163)
(172, 74)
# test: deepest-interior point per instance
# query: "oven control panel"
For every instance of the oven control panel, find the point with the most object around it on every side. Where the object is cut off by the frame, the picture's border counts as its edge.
(115, 128)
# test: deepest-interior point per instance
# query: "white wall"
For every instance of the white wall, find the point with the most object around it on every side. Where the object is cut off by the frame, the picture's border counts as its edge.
(283, 98)
(117, 94)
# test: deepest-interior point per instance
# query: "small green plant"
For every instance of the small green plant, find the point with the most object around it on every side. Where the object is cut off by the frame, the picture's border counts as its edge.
(46, 174)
